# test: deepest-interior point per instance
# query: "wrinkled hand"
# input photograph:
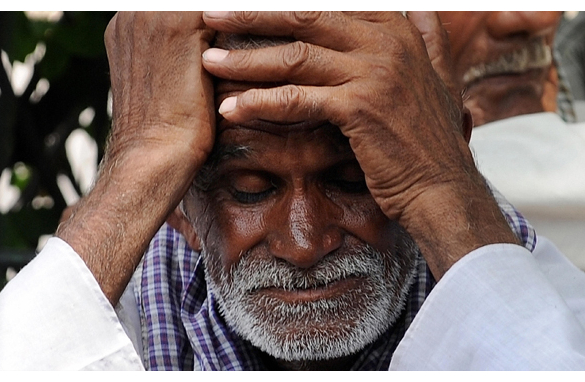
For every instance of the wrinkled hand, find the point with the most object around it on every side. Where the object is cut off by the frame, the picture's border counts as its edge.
(371, 75)
(366, 73)
(162, 98)
(163, 129)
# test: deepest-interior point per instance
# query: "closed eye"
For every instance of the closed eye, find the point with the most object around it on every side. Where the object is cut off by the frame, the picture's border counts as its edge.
(252, 197)
(250, 187)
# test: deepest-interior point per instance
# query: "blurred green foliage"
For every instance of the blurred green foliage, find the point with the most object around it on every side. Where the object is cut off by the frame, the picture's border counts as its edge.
(33, 131)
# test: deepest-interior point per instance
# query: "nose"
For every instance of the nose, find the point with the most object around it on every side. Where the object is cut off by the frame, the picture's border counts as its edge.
(307, 231)
(522, 24)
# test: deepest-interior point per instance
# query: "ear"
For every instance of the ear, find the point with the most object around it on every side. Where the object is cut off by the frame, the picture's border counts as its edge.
(467, 121)
(179, 222)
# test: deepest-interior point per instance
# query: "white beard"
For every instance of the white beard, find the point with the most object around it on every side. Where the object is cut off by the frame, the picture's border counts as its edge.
(314, 330)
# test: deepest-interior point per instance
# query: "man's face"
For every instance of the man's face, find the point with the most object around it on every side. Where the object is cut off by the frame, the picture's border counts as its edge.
(503, 59)
(303, 262)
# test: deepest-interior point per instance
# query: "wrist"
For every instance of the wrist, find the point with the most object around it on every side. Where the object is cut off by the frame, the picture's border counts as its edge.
(449, 221)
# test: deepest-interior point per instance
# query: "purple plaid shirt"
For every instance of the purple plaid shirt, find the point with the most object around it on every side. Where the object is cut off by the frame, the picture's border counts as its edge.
(183, 330)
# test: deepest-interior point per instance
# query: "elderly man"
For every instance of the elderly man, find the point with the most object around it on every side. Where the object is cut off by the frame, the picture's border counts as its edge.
(504, 61)
(336, 173)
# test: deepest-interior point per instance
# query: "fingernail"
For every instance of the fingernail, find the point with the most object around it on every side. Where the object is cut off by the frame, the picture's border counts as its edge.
(214, 54)
(228, 105)
(216, 14)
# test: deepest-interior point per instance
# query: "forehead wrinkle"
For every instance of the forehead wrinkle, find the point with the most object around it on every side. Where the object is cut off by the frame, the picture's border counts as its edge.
(221, 153)
(224, 152)
(228, 147)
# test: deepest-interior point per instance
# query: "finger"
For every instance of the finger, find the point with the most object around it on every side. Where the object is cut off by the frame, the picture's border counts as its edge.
(438, 48)
(285, 104)
(334, 30)
(297, 62)
(376, 17)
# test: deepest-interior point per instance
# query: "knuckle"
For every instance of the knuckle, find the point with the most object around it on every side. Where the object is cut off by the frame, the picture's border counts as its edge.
(250, 99)
(290, 97)
(286, 100)
(245, 17)
(167, 23)
(382, 71)
(305, 18)
(295, 55)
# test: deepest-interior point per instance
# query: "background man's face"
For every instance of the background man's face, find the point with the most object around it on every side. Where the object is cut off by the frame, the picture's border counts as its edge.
(502, 58)
(304, 263)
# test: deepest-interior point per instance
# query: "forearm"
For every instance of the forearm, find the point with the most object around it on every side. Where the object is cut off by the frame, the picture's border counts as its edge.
(111, 228)
(163, 129)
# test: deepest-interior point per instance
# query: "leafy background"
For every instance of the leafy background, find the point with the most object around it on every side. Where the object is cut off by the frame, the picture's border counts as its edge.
(69, 56)
(70, 60)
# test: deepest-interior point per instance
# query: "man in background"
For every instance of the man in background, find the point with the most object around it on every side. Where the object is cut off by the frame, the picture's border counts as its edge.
(505, 64)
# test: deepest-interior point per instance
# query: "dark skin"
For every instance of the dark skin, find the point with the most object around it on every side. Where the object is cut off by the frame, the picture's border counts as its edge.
(269, 197)
(480, 37)
(163, 110)
(369, 75)
(418, 197)
(297, 195)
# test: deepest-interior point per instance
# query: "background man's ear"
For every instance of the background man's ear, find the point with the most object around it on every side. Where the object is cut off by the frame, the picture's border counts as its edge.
(179, 222)
(467, 124)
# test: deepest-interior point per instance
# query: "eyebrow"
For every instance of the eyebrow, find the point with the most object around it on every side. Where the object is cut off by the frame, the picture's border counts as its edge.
(208, 173)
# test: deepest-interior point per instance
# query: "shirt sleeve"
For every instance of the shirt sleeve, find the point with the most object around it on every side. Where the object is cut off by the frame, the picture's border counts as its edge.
(500, 308)
(54, 316)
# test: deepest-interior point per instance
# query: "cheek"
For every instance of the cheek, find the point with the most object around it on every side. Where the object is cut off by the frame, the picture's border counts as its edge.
(234, 231)
(364, 219)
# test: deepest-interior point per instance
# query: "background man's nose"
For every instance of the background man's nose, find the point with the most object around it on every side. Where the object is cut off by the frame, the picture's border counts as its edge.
(523, 24)
(307, 234)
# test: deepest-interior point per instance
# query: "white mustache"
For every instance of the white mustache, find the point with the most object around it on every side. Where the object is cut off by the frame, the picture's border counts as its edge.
(253, 274)
(531, 56)
(287, 330)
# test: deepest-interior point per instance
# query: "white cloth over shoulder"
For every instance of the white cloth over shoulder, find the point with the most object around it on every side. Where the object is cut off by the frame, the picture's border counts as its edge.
(54, 316)
(497, 308)
(537, 161)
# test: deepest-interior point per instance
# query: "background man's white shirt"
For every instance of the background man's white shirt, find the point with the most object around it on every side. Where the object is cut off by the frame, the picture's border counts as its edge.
(537, 161)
